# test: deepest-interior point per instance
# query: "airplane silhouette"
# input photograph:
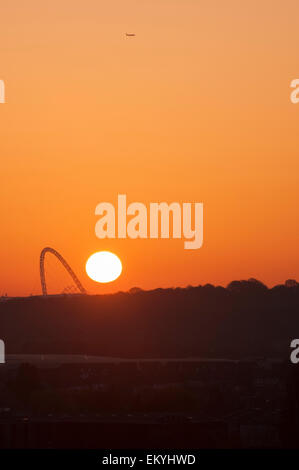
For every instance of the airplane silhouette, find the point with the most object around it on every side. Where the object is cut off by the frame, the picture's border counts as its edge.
(130, 35)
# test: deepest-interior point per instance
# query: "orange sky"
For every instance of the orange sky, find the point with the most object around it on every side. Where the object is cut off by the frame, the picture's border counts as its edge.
(196, 107)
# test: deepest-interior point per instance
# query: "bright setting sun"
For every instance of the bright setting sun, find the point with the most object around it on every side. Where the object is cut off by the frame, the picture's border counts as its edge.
(103, 266)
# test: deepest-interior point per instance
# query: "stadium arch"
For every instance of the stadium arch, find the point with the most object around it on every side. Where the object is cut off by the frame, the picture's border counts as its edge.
(64, 264)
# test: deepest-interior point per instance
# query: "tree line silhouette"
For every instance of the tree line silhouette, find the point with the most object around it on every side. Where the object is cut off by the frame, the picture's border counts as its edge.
(245, 319)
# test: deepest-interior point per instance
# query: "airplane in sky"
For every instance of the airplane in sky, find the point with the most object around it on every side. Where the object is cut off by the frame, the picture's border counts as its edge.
(130, 35)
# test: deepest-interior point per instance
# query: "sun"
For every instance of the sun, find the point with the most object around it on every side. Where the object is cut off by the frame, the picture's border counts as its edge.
(103, 266)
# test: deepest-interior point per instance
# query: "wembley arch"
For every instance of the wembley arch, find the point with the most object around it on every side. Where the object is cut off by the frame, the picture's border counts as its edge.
(64, 264)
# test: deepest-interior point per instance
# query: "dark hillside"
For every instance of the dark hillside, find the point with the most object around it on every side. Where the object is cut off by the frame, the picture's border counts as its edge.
(245, 319)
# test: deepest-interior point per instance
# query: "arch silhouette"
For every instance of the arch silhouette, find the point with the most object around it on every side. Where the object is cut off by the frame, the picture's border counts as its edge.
(64, 264)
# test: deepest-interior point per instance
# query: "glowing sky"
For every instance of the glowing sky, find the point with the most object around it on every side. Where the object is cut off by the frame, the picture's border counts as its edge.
(196, 107)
